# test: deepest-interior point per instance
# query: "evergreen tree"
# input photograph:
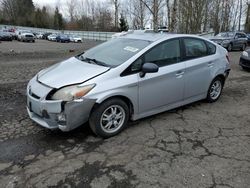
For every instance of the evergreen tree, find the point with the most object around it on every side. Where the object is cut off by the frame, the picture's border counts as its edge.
(58, 20)
(123, 24)
(25, 11)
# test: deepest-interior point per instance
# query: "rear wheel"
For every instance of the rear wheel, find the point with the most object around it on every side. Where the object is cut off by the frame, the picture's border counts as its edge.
(215, 90)
(109, 118)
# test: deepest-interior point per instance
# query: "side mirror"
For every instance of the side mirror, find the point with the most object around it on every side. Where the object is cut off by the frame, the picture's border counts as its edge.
(236, 37)
(148, 68)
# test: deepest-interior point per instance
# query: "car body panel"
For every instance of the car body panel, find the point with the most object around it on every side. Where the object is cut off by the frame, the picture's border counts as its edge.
(245, 60)
(72, 71)
(154, 89)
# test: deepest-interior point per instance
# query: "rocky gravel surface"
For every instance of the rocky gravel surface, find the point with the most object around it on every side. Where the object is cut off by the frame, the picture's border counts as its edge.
(199, 145)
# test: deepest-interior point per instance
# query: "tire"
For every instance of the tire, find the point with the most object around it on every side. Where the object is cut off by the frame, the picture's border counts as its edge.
(105, 120)
(230, 47)
(245, 68)
(215, 90)
(243, 47)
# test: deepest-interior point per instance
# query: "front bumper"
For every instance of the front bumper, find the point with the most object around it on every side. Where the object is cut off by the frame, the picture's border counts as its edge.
(51, 114)
(245, 62)
(28, 39)
(221, 43)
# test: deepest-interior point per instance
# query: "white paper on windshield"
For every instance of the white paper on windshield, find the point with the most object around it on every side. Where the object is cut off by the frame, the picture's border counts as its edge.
(131, 49)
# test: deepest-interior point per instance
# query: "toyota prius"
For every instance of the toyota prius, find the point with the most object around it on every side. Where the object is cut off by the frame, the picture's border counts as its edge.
(127, 78)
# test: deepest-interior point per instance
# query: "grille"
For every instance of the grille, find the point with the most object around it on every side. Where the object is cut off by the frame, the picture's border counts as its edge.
(29, 36)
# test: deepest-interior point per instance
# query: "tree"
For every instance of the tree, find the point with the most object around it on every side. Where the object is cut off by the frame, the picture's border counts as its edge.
(116, 4)
(123, 24)
(247, 24)
(138, 11)
(18, 12)
(154, 7)
(58, 20)
(71, 6)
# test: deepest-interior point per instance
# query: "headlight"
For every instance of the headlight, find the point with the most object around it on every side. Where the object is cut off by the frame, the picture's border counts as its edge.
(72, 92)
(244, 53)
(226, 41)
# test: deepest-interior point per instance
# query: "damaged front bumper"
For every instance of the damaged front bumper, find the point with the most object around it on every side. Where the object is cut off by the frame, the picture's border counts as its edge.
(52, 114)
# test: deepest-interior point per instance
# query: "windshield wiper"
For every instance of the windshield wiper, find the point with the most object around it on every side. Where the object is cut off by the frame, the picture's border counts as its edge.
(94, 61)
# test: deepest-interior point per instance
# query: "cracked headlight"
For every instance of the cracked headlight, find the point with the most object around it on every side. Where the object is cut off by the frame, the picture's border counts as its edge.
(71, 93)
(244, 53)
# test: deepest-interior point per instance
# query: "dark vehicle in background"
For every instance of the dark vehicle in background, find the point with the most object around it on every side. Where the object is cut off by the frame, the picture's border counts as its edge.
(231, 40)
(245, 60)
(62, 38)
(248, 38)
(45, 36)
(10, 32)
(5, 36)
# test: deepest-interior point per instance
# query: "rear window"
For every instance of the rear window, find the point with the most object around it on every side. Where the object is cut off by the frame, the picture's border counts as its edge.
(195, 48)
(211, 48)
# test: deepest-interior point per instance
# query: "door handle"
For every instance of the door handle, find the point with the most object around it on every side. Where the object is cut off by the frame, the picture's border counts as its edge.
(210, 64)
(179, 74)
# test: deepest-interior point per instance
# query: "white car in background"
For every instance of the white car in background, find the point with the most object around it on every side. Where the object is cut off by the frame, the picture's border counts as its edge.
(40, 35)
(75, 38)
(52, 37)
(25, 36)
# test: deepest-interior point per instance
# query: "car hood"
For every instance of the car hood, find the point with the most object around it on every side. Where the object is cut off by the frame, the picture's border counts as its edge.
(71, 71)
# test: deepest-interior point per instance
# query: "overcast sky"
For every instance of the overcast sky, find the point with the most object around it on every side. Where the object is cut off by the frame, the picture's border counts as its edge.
(49, 2)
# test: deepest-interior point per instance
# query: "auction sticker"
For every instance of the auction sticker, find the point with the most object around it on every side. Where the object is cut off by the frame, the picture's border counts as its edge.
(131, 49)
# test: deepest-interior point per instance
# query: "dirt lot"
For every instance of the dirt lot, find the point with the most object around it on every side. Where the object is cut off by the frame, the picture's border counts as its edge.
(199, 145)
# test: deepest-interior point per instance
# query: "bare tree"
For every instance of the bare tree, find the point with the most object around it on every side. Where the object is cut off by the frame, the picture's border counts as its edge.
(71, 7)
(116, 4)
(9, 10)
(154, 7)
(138, 11)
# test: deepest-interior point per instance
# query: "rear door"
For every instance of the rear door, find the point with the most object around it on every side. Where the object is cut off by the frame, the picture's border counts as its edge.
(237, 40)
(199, 66)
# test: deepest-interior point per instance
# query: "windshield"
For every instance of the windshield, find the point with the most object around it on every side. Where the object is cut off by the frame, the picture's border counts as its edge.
(229, 34)
(115, 52)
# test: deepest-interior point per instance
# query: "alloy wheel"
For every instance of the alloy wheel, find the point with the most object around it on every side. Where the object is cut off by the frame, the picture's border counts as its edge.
(112, 118)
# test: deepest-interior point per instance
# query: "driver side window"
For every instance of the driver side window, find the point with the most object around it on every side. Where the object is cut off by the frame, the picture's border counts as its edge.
(164, 54)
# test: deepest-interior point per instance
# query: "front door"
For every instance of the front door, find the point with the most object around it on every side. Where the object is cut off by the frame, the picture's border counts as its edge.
(165, 87)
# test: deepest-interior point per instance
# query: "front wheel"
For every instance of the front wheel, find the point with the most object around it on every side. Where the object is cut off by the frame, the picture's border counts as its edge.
(215, 90)
(109, 118)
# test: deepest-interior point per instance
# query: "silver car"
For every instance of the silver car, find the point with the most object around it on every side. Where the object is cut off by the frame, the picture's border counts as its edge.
(127, 78)
(231, 40)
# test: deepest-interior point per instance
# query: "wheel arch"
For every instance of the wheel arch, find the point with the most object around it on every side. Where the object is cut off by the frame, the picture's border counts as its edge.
(122, 97)
(221, 76)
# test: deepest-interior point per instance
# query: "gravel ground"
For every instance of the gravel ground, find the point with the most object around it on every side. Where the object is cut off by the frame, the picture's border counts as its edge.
(199, 145)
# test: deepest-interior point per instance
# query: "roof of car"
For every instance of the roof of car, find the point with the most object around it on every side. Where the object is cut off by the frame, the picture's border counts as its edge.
(152, 36)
